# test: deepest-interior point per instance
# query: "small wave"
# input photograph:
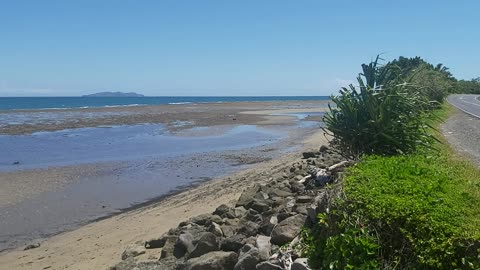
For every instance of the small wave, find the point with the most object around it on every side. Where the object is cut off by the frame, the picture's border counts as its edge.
(179, 103)
(128, 105)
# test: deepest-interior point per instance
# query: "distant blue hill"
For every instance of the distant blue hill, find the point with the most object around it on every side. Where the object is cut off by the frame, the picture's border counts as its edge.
(114, 94)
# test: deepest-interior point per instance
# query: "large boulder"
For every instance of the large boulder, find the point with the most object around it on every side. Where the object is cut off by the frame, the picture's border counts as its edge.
(207, 243)
(247, 195)
(217, 260)
(183, 245)
(233, 243)
(249, 257)
(287, 229)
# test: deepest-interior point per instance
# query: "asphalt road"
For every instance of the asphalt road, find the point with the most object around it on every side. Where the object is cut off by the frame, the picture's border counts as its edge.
(462, 129)
(467, 103)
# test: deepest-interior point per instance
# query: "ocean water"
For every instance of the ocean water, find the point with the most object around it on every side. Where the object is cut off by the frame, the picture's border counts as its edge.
(19, 103)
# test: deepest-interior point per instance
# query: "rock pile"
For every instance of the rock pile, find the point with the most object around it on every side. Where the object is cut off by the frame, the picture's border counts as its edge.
(259, 232)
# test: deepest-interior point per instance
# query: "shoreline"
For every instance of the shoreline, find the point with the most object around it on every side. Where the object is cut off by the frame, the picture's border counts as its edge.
(25, 122)
(108, 237)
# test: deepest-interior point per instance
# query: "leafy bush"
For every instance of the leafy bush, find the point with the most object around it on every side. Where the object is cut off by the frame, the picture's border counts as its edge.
(402, 212)
(381, 117)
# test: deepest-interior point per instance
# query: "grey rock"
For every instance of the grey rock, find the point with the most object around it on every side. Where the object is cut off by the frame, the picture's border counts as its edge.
(133, 251)
(207, 243)
(215, 229)
(323, 149)
(247, 196)
(158, 242)
(268, 266)
(248, 258)
(228, 230)
(264, 247)
(258, 205)
(298, 177)
(217, 260)
(203, 219)
(309, 154)
(168, 249)
(184, 244)
(249, 228)
(279, 193)
(300, 209)
(239, 211)
(300, 264)
(32, 246)
(233, 243)
(222, 209)
(286, 230)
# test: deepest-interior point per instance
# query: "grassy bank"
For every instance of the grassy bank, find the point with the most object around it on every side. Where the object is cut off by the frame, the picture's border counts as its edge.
(410, 202)
(414, 211)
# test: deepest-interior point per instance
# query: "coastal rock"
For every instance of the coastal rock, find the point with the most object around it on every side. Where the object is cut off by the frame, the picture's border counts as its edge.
(221, 210)
(286, 230)
(217, 260)
(248, 258)
(207, 243)
(318, 206)
(233, 243)
(323, 149)
(264, 247)
(249, 228)
(300, 264)
(158, 242)
(228, 230)
(258, 205)
(309, 154)
(32, 246)
(133, 251)
(215, 229)
(204, 219)
(184, 244)
(168, 249)
(247, 196)
(239, 211)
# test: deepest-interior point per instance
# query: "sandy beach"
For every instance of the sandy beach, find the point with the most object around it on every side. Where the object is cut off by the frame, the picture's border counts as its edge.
(98, 245)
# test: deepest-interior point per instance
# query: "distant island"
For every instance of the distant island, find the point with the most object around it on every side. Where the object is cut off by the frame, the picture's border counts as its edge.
(114, 94)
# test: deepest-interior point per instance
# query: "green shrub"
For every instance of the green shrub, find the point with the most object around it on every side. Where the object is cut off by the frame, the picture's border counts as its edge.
(417, 211)
(381, 117)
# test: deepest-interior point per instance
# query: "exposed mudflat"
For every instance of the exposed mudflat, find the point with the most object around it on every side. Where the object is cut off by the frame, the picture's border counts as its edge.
(54, 181)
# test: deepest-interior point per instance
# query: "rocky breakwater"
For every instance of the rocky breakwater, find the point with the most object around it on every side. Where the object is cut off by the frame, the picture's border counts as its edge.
(261, 231)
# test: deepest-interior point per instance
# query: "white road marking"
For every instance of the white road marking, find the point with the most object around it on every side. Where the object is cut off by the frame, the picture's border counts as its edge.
(472, 114)
(476, 104)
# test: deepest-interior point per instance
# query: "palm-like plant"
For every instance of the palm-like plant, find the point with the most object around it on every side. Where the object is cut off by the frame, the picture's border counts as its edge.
(379, 116)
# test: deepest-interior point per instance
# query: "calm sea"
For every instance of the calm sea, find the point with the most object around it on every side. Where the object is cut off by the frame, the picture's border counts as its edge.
(17, 103)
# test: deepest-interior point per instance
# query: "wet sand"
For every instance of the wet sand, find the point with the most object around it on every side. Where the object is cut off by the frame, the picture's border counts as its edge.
(175, 117)
(21, 190)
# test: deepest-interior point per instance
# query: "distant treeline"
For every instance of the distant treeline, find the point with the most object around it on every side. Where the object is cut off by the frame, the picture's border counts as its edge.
(435, 77)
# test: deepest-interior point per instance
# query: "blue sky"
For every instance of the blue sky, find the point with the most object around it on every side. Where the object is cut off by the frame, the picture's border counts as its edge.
(164, 48)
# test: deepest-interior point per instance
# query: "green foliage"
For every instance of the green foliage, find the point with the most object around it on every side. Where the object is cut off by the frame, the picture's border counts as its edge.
(468, 87)
(404, 212)
(379, 116)
(341, 240)
(433, 85)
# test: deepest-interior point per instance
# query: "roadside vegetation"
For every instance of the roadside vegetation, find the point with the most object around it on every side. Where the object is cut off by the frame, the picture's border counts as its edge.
(410, 202)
